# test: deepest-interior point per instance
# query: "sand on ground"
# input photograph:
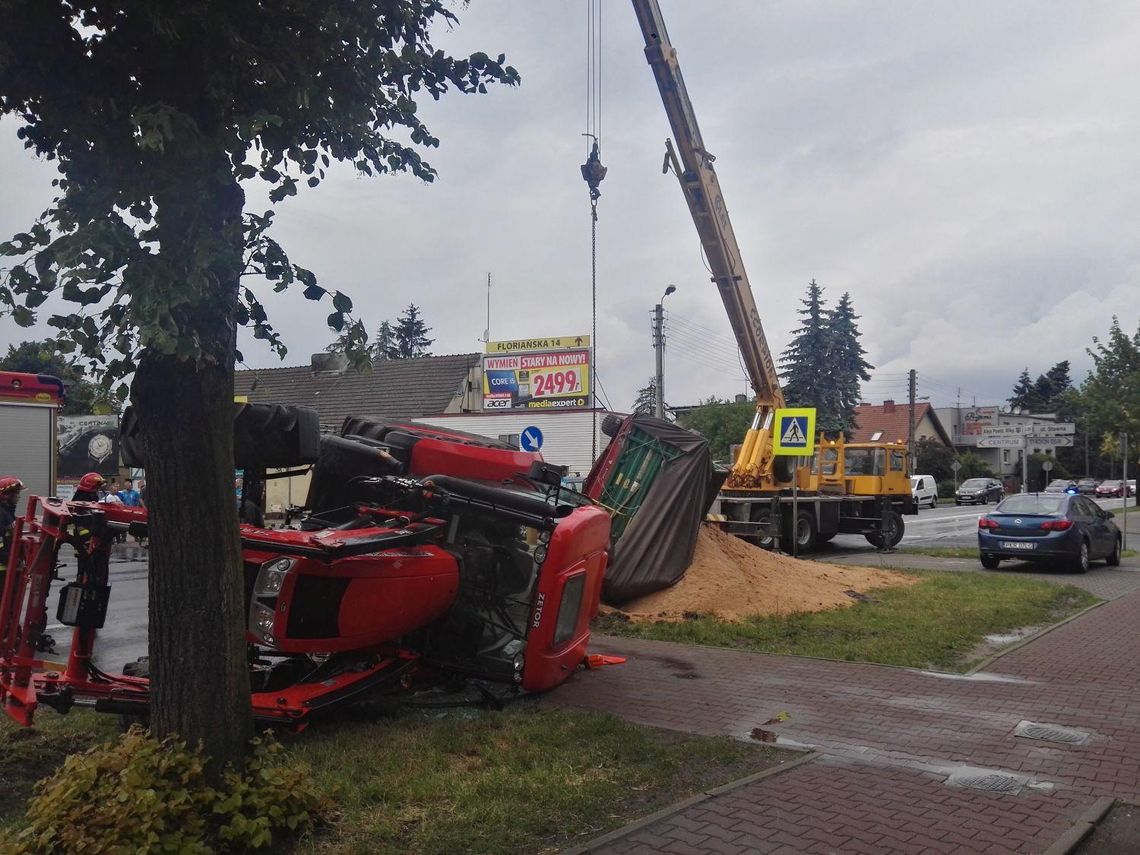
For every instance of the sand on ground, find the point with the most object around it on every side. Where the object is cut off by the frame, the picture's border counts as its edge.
(732, 579)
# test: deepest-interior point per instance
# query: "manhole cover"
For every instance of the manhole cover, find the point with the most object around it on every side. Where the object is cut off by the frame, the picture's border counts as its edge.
(981, 779)
(1051, 733)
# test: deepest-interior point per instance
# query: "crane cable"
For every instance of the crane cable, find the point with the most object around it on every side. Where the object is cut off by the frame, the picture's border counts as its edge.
(592, 173)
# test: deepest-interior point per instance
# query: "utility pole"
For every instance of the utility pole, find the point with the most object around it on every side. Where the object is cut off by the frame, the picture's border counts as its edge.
(910, 426)
(659, 348)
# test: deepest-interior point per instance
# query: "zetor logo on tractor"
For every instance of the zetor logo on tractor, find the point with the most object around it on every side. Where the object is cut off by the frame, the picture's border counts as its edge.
(449, 555)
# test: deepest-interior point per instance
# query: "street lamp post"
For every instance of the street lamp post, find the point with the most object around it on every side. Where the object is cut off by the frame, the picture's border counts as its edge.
(659, 347)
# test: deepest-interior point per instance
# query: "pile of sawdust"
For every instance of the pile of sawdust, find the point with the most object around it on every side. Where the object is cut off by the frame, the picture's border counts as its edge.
(732, 579)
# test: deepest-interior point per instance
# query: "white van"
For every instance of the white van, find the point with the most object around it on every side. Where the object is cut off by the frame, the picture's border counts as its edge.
(924, 490)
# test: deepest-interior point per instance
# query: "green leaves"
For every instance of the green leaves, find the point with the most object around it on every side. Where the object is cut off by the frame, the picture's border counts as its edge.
(145, 795)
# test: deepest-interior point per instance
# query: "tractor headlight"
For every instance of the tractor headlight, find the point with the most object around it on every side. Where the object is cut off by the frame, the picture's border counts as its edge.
(271, 577)
(539, 554)
(518, 662)
(261, 619)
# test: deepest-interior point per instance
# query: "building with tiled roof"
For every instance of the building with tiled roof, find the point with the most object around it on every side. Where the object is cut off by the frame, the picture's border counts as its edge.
(890, 422)
(395, 389)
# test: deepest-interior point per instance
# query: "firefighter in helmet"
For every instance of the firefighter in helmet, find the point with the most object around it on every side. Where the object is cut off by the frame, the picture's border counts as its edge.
(10, 488)
(88, 488)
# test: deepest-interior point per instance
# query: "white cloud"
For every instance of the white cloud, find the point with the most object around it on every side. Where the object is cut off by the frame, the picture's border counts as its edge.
(966, 171)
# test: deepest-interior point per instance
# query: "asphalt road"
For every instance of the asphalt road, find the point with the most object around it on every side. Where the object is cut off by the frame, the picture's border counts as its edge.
(953, 525)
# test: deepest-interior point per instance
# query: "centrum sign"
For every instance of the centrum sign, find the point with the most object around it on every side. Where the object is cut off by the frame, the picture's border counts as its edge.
(537, 374)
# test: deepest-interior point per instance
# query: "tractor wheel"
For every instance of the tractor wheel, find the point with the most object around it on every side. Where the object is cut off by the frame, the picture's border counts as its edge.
(265, 436)
(139, 668)
(894, 527)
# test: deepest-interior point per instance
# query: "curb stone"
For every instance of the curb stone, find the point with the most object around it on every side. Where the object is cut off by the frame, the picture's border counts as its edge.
(1080, 829)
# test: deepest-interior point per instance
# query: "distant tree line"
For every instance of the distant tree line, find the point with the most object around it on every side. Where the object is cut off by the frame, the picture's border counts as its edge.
(405, 338)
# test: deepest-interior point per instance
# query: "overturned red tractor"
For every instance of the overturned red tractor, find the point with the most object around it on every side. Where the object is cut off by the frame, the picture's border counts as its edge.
(423, 556)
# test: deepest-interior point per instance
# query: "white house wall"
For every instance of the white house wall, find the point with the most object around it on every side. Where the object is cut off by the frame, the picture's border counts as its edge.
(566, 435)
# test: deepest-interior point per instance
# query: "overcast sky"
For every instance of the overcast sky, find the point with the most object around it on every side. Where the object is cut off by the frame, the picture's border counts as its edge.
(967, 170)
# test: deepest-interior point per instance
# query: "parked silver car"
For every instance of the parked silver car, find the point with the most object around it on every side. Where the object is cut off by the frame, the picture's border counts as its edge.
(979, 491)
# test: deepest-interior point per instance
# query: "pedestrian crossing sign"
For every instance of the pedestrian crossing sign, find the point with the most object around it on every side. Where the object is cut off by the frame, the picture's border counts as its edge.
(794, 433)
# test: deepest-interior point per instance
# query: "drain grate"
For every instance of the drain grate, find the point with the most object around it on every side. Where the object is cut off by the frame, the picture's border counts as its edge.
(1051, 733)
(981, 779)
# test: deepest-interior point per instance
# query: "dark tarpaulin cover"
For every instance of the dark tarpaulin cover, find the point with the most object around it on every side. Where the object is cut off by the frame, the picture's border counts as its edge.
(657, 545)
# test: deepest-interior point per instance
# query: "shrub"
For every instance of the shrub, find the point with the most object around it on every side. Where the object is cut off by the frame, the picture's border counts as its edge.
(142, 795)
(946, 489)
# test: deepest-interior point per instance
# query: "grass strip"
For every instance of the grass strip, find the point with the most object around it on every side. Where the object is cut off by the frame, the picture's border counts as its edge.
(937, 623)
(528, 779)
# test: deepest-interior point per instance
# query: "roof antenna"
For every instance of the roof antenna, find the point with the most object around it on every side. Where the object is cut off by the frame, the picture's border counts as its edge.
(487, 332)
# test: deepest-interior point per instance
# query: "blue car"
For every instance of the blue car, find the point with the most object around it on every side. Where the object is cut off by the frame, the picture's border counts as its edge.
(1062, 527)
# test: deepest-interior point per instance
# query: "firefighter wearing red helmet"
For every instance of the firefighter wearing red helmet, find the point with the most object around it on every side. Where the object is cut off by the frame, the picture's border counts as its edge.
(10, 488)
(88, 489)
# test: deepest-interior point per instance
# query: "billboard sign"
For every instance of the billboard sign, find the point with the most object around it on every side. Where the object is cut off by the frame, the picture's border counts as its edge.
(975, 418)
(537, 374)
(88, 444)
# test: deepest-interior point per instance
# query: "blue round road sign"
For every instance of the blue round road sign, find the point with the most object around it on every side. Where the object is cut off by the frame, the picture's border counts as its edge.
(530, 439)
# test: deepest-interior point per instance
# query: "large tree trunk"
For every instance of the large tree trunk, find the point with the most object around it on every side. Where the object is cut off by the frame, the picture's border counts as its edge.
(199, 674)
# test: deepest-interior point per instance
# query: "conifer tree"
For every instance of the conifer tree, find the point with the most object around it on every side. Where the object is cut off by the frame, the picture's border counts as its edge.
(847, 367)
(1024, 393)
(411, 334)
(824, 365)
(646, 402)
(803, 364)
(386, 345)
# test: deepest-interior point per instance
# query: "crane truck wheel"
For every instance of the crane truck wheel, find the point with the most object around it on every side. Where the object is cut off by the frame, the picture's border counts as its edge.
(894, 526)
(759, 536)
(805, 534)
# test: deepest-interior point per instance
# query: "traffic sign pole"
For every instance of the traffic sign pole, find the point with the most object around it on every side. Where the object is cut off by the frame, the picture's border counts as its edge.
(1124, 472)
(794, 436)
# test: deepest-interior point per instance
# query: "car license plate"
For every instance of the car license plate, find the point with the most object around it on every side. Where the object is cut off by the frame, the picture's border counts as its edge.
(1013, 544)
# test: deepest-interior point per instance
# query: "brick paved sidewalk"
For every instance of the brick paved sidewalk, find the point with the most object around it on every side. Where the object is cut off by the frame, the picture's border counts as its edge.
(890, 738)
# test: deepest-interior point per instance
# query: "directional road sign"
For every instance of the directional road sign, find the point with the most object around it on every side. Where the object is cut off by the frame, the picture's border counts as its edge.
(530, 439)
(1030, 429)
(1001, 442)
(794, 433)
(1055, 441)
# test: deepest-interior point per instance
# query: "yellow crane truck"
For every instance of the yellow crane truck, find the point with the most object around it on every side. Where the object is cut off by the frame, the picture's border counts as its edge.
(850, 488)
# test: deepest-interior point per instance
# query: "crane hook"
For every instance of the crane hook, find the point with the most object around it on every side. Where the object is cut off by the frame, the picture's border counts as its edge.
(593, 172)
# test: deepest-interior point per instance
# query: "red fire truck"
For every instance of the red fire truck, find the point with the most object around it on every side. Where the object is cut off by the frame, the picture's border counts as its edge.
(29, 405)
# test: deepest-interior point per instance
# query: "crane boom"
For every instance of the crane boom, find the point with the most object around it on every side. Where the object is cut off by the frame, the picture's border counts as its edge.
(693, 166)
